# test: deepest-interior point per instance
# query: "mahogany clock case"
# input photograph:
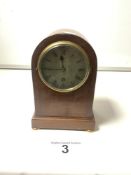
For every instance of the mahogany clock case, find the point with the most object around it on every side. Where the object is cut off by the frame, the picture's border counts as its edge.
(72, 110)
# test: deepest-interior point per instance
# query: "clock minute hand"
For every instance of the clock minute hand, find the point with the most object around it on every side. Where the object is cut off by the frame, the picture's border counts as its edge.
(62, 63)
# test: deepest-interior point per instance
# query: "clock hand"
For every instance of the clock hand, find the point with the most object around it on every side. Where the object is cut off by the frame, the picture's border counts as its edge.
(62, 63)
(46, 68)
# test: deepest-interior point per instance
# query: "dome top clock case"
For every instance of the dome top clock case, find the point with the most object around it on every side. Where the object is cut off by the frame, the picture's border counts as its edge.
(64, 73)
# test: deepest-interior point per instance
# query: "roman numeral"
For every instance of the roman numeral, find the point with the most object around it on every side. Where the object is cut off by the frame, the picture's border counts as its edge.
(78, 61)
(63, 79)
(81, 70)
(48, 77)
(72, 83)
(48, 60)
(55, 83)
(63, 51)
(62, 85)
(78, 77)
(54, 54)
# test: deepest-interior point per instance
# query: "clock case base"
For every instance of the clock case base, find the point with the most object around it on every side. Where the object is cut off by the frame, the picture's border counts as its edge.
(72, 123)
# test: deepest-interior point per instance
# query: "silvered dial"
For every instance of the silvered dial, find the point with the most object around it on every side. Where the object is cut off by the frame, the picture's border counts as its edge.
(63, 66)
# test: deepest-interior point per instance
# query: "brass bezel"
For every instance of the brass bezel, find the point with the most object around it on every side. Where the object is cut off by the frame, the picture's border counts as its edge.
(57, 44)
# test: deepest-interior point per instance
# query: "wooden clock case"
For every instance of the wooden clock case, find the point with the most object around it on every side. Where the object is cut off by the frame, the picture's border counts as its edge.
(72, 110)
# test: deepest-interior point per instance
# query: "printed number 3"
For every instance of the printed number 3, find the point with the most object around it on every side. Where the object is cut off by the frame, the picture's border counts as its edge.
(65, 150)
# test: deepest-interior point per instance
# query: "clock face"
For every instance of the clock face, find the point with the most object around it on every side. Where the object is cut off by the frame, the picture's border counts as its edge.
(63, 66)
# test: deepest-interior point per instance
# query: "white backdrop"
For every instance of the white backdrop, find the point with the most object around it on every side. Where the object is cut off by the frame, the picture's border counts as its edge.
(105, 23)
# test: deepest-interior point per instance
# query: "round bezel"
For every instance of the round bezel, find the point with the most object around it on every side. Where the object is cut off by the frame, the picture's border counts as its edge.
(57, 44)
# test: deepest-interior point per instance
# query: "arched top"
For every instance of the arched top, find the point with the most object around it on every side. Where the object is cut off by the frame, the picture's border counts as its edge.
(67, 37)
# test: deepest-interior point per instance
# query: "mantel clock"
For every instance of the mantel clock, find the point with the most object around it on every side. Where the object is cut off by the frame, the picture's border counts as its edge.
(64, 67)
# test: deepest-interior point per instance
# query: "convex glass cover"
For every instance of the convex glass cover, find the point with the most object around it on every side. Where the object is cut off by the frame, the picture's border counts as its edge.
(63, 66)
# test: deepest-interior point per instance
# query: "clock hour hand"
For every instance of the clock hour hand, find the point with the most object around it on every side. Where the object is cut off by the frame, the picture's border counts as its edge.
(46, 68)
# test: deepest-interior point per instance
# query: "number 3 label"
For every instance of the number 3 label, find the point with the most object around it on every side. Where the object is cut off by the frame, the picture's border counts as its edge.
(65, 149)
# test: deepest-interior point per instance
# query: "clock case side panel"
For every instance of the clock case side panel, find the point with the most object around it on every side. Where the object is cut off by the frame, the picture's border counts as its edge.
(54, 109)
